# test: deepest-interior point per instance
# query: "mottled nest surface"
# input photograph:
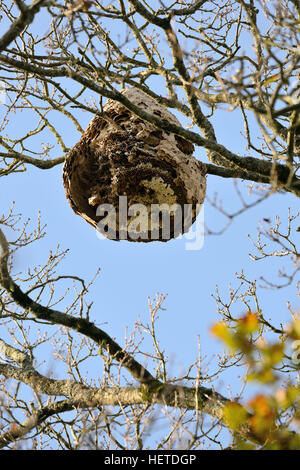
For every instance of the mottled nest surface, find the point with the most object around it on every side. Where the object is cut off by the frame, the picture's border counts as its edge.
(121, 155)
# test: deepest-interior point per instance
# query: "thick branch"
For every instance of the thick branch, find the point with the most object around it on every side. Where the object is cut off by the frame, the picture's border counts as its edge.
(42, 164)
(236, 173)
(161, 22)
(187, 11)
(229, 159)
(81, 396)
(25, 19)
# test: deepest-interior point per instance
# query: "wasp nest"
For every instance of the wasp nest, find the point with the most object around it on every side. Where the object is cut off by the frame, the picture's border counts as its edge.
(129, 179)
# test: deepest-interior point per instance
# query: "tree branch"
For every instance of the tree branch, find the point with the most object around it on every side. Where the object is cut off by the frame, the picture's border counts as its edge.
(80, 325)
(232, 160)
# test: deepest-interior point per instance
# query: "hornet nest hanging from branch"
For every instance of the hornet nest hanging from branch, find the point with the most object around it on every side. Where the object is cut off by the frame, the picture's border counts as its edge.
(131, 180)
